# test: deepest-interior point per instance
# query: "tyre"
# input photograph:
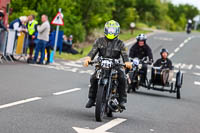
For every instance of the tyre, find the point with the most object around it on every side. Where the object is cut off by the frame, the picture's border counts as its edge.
(100, 103)
(178, 93)
(109, 113)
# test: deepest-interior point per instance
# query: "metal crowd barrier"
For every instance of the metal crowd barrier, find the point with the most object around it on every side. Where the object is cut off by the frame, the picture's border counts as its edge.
(12, 44)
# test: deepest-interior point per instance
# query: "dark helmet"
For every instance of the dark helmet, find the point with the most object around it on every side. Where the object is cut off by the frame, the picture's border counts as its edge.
(163, 50)
(141, 37)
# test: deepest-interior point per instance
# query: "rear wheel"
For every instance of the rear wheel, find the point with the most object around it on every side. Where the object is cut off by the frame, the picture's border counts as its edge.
(100, 103)
(179, 82)
(178, 93)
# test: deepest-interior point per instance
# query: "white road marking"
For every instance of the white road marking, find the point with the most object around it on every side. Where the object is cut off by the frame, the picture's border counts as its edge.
(176, 50)
(181, 45)
(190, 66)
(186, 41)
(177, 65)
(72, 64)
(196, 83)
(67, 91)
(171, 55)
(197, 74)
(87, 71)
(197, 66)
(163, 38)
(101, 129)
(20, 102)
(55, 64)
(152, 130)
(182, 66)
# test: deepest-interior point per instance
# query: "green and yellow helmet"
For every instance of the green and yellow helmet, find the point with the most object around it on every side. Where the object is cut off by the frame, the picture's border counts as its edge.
(111, 29)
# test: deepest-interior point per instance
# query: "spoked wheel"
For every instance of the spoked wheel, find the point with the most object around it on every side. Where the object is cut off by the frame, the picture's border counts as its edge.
(100, 103)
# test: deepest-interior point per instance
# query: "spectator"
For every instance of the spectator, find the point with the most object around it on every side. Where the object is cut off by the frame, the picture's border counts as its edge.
(67, 45)
(1, 22)
(18, 25)
(48, 47)
(43, 38)
(31, 26)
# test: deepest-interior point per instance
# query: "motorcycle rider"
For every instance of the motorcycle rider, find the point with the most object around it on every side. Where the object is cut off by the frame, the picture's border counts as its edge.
(165, 64)
(141, 50)
(109, 47)
(189, 26)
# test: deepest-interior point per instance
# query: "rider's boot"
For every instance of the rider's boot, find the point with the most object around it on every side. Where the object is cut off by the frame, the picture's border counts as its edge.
(122, 105)
(90, 103)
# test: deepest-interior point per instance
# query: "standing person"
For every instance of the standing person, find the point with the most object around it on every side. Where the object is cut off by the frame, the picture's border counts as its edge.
(48, 46)
(109, 47)
(19, 26)
(141, 50)
(31, 25)
(43, 38)
(2, 26)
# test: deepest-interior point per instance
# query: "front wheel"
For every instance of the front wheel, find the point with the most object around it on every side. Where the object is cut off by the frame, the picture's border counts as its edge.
(100, 103)
(109, 113)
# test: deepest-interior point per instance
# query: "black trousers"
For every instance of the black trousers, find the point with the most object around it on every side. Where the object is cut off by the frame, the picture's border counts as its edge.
(69, 49)
(121, 88)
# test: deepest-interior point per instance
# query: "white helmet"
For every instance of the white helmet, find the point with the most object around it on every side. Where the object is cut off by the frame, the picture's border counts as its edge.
(189, 21)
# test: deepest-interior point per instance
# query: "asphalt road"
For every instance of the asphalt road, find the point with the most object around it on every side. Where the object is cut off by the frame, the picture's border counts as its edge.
(51, 99)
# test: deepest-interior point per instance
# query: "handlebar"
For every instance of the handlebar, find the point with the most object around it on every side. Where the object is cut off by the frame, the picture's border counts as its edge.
(99, 60)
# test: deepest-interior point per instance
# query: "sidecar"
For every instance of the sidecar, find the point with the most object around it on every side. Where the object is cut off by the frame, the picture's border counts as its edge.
(161, 80)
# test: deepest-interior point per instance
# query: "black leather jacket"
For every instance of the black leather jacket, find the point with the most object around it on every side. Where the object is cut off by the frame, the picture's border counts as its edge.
(109, 49)
(164, 64)
(141, 52)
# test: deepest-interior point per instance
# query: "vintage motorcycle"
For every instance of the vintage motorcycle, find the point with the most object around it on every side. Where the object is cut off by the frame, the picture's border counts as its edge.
(107, 99)
(135, 74)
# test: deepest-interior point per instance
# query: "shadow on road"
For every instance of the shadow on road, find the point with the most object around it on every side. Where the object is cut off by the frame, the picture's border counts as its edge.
(154, 94)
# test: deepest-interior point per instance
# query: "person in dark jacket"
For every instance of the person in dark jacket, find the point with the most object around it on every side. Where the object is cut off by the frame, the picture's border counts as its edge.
(2, 26)
(109, 47)
(18, 25)
(67, 45)
(165, 65)
(164, 62)
(141, 50)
